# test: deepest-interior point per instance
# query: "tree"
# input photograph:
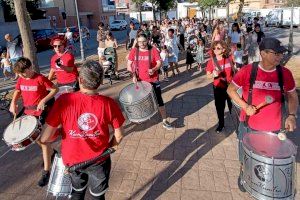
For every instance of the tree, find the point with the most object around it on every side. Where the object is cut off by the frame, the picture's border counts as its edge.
(139, 4)
(295, 2)
(26, 33)
(208, 4)
(164, 5)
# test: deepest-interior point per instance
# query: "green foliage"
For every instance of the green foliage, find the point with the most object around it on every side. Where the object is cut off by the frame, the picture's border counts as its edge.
(291, 2)
(165, 5)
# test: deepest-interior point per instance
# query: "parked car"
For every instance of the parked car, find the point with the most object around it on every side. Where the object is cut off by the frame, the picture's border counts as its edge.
(73, 29)
(118, 25)
(42, 38)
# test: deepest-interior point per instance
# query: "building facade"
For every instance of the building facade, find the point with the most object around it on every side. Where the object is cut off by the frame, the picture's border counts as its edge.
(91, 12)
(274, 3)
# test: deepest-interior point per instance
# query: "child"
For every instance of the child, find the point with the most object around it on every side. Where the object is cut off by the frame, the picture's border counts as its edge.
(200, 54)
(37, 92)
(238, 56)
(164, 54)
(6, 65)
(189, 57)
(105, 64)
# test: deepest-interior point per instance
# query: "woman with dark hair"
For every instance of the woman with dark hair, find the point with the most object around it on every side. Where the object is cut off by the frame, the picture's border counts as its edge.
(112, 42)
(219, 67)
(235, 37)
(252, 44)
(155, 37)
(144, 62)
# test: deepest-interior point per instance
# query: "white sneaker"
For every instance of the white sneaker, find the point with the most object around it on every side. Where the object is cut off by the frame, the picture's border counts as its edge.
(167, 125)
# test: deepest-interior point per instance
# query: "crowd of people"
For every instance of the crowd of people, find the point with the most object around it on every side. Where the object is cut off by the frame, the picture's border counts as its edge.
(241, 57)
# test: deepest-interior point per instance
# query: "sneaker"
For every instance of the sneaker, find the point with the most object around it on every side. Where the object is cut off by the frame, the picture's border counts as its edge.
(220, 129)
(44, 179)
(167, 125)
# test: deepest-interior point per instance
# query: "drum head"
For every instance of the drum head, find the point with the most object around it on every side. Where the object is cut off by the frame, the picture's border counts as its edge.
(20, 129)
(133, 93)
(267, 144)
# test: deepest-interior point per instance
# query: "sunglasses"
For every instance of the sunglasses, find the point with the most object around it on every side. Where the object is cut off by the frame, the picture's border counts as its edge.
(143, 41)
(218, 48)
(275, 53)
(57, 46)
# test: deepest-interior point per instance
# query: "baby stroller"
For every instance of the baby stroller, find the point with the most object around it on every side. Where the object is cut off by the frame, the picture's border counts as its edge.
(109, 67)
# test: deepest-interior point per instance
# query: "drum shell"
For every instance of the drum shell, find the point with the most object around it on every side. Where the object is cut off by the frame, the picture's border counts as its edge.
(268, 178)
(59, 182)
(240, 93)
(140, 110)
(63, 90)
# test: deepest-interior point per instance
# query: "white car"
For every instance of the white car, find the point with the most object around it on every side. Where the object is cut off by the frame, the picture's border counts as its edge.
(118, 25)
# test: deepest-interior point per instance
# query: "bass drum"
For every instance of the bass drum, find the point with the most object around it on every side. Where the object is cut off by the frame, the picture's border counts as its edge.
(269, 166)
(138, 101)
(240, 93)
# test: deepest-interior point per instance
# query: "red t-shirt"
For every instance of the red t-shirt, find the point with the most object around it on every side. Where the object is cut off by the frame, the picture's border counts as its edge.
(269, 117)
(225, 75)
(85, 123)
(33, 90)
(62, 76)
(143, 64)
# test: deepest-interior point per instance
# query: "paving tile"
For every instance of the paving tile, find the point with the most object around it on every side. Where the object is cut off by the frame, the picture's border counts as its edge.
(206, 179)
(7, 196)
(126, 186)
(166, 196)
(120, 196)
(211, 165)
(238, 195)
(221, 181)
(221, 195)
(196, 195)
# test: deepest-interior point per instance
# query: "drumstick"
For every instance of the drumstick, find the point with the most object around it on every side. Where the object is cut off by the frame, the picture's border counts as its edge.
(14, 120)
(268, 100)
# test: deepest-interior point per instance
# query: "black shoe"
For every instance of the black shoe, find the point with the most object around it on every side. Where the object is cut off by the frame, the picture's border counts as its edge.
(44, 179)
(220, 129)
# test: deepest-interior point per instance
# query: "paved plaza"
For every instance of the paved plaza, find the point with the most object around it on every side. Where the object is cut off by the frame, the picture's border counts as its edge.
(187, 163)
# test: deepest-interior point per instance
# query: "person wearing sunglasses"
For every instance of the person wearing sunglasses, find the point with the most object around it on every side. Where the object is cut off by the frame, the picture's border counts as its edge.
(63, 65)
(269, 78)
(219, 68)
(144, 62)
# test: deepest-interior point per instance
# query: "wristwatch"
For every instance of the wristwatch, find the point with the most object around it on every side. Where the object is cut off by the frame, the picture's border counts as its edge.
(290, 114)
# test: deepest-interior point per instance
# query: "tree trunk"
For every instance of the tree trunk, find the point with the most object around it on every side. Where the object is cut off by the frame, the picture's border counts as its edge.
(140, 11)
(29, 48)
(239, 13)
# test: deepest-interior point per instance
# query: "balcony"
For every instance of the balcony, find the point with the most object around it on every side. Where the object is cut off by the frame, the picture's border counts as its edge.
(122, 5)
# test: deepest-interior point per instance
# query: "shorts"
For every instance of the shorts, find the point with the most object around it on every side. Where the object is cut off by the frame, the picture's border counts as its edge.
(100, 51)
(157, 91)
(173, 59)
(96, 176)
(165, 68)
(7, 69)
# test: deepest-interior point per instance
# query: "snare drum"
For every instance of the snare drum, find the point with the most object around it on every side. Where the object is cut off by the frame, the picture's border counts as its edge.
(59, 182)
(63, 90)
(269, 166)
(138, 101)
(22, 133)
(240, 93)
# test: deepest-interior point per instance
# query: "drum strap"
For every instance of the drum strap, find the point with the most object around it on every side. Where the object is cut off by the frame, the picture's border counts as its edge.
(253, 75)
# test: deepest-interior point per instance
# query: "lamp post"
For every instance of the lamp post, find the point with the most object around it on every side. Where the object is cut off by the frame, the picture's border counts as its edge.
(80, 32)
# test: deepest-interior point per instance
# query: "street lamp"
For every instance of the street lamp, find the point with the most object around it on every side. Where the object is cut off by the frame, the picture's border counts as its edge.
(80, 33)
(290, 48)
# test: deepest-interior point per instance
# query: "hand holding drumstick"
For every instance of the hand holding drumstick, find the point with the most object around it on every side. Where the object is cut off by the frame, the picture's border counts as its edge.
(251, 109)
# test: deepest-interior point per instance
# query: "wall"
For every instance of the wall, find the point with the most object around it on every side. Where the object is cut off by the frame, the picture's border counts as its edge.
(13, 29)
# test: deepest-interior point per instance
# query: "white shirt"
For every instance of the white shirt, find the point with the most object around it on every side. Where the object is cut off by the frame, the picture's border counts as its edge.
(164, 58)
(238, 56)
(172, 43)
(69, 35)
(235, 37)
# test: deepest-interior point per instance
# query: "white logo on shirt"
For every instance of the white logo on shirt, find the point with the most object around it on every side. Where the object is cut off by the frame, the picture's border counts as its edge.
(87, 121)
(266, 85)
(28, 88)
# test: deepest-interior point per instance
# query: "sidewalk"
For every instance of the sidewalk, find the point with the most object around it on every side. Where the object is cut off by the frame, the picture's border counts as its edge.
(191, 162)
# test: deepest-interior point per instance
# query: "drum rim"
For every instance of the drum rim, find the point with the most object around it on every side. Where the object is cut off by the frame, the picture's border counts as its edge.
(151, 91)
(273, 134)
(12, 143)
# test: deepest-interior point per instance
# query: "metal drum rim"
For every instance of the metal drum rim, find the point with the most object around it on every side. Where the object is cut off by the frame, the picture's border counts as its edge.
(260, 154)
(27, 116)
(126, 103)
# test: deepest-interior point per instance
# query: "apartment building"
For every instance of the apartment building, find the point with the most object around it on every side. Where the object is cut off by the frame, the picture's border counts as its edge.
(274, 3)
(91, 12)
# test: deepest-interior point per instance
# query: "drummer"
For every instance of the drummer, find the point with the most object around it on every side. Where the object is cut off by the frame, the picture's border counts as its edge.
(145, 69)
(34, 89)
(266, 75)
(63, 65)
(85, 117)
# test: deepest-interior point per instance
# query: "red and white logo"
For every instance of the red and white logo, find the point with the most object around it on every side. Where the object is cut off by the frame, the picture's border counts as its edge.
(87, 121)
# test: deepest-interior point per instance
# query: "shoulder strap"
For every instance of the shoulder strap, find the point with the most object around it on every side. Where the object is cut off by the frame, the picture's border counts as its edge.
(253, 75)
(136, 70)
(216, 63)
(280, 83)
(150, 57)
